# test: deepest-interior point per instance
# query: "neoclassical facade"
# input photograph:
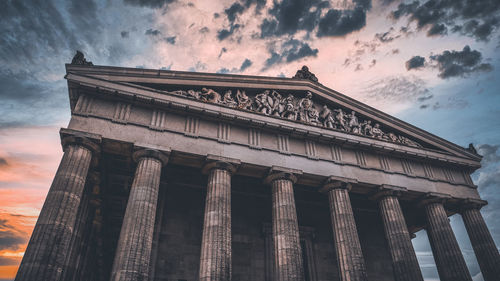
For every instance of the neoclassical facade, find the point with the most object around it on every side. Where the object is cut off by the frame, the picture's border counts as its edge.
(181, 176)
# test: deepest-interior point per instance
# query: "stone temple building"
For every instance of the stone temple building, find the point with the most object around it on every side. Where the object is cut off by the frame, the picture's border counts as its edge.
(183, 176)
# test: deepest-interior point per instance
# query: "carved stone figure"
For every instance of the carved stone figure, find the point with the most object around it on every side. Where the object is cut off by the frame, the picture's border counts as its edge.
(178, 92)
(340, 119)
(326, 117)
(79, 58)
(210, 95)
(353, 124)
(278, 105)
(377, 132)
(304, 73)
(290, 111)
(367, 128)
(193, 94)
(407, 141)
(392, 137)
(305, 105)
(313, 116)
(244, 102)
(228, 99)
(264, 102)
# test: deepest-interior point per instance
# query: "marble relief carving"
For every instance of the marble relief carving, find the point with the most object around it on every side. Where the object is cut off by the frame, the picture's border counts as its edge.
(272, 103)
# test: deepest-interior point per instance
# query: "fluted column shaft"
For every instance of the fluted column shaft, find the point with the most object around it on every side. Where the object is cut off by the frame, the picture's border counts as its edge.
(52, 241)
(449, 259)
(350, 259)
(404, 259)
(133, 251)
(215, 260)
(484, 247)
(287, 251)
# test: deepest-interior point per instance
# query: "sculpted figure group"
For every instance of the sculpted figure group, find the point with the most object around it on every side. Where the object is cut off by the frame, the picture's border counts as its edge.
(272, 103)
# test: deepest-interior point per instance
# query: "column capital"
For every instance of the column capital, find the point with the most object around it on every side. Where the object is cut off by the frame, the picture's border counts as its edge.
(141, 152)
(471, 203)
(87, 140)
(433, 197)
(334, 182)
(220, 162)
(280, 173)
(82, 141)
(387, 190)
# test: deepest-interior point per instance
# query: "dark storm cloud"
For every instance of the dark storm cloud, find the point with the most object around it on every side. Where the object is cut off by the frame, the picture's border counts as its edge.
(415, 62)
(291, 50)
(233, 11)
(148, 3)
(476, 18)
(10, 237)
(424, 98)
(489, 153)
(246, 64)
(30, 27)
(152, 32)
(170, 40)
(3, 162)
(124, 34)
(341, 22)
(387, 36)
(460, 63)
(291, 16)
(232, 14)
(225, 33)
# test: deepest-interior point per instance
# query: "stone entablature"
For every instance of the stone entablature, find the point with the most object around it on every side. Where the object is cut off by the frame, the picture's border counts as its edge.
(207, 110)
(260, 136)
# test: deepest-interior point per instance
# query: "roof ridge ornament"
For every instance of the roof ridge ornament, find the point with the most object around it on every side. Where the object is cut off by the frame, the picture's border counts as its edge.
(304, 73)
(79, 59)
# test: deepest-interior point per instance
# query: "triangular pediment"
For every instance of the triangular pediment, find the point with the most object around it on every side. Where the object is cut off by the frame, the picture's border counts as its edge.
(293, 100)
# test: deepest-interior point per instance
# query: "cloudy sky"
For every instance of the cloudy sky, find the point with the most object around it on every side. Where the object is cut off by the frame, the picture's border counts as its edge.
(434, 64)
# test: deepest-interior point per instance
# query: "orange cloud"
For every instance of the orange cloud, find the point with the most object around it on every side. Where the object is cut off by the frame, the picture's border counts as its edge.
(28, 160)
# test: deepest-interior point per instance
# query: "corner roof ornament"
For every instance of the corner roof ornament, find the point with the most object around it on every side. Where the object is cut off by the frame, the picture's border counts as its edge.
(79, 59)
(304, 73)
(471, 148)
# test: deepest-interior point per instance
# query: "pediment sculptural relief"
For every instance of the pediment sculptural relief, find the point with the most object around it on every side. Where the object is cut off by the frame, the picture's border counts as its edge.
(272, 103)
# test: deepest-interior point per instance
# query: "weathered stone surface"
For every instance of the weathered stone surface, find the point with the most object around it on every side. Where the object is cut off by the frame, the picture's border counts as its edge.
(404, 259)
(287, 251)
(349, 255)
(484, 247)
(449, 259)
(52, 241)
(133, 252)
(216, 253)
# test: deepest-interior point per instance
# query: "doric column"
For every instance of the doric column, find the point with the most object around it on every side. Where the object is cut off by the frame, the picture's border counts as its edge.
(215, 259)
(350, 259)
(52, 241)
(136, 236)
(404, 259)
(287, 252)
(484, 247)
(449, 259)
